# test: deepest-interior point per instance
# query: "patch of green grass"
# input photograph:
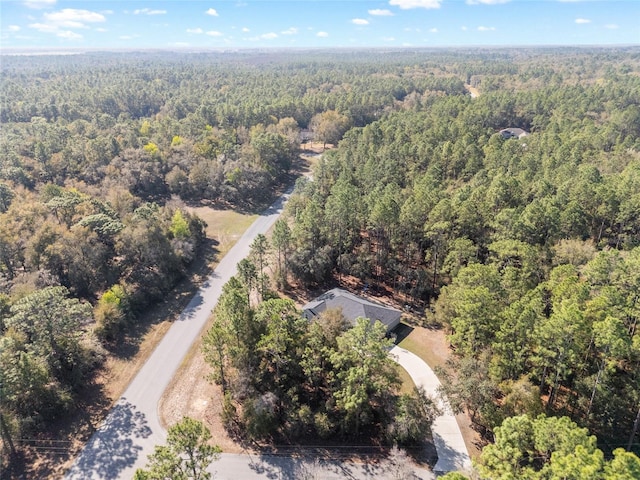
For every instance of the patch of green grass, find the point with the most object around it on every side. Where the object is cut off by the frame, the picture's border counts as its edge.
(414, 347)
(224, 226)
(407, 384)
(418, 343)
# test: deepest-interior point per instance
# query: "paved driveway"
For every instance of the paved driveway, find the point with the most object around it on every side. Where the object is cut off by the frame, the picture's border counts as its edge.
(450, 446)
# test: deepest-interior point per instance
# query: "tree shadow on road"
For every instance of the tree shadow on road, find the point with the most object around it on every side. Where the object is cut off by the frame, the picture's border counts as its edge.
(111, 449)
(449, 460)
(313, 467)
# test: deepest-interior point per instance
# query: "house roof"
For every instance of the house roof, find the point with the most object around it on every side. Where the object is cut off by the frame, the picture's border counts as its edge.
(514, 132)
(352, 307)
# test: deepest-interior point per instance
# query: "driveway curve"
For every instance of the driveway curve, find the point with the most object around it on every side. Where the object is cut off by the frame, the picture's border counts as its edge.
(447, 437)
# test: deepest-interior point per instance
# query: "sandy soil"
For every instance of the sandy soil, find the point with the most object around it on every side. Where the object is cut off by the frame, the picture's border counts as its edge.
(191, 394)
(473, 91)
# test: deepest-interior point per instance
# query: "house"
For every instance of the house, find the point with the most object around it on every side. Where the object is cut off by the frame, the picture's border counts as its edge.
(352, 307)
(513, 133)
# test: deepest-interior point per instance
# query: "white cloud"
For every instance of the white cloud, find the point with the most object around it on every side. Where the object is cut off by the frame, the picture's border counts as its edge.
(245, 29)
(611, 26)
(213, 12)
(322, 34)
(486, 2)
(73, 18)
(290, 31)
(69, 35)
(129, 37)
(106, 12)
(101, 30)
(269, 36)
(360, 21)
(388, 39)
(433, 30)
(215, 33)
(148, 11)
(58, 22)
(408, 4)
(378, 12)
(464, 28)
(44, 27)
(482, 28)
(195, 30)
(14, 28)
(38, 4)
(582, 21)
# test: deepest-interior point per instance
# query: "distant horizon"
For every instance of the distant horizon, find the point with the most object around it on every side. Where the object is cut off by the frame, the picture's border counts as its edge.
(26, 51)
(314, 24)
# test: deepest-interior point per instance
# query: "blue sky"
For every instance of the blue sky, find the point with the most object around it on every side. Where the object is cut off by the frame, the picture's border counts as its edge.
(43, 24)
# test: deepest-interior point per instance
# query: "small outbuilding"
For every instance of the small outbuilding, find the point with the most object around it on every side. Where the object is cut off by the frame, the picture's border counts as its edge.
(513, 133)
(352, 307)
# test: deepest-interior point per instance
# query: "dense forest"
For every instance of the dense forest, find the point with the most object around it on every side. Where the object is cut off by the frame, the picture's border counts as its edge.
(100, 155)
(527, 250)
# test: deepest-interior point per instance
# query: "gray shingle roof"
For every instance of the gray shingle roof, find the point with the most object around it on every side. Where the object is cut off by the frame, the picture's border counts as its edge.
(352, 307)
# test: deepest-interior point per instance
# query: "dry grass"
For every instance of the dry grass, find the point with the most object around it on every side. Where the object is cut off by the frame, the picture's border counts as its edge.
(191, 394)
(429, 344)
(223, 226)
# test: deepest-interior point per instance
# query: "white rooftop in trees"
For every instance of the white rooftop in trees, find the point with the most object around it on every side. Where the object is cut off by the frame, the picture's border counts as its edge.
(513, 133)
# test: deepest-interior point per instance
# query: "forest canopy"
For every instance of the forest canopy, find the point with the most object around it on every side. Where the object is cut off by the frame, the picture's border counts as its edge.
(526, 249)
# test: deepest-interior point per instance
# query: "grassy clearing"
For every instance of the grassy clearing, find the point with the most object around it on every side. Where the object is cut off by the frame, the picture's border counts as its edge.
(224, 226)
(429, 344)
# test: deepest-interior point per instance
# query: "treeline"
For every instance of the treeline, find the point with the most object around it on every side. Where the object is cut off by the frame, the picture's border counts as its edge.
(526, 249)
(218, 127)
(76, 270)
(549, 448)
